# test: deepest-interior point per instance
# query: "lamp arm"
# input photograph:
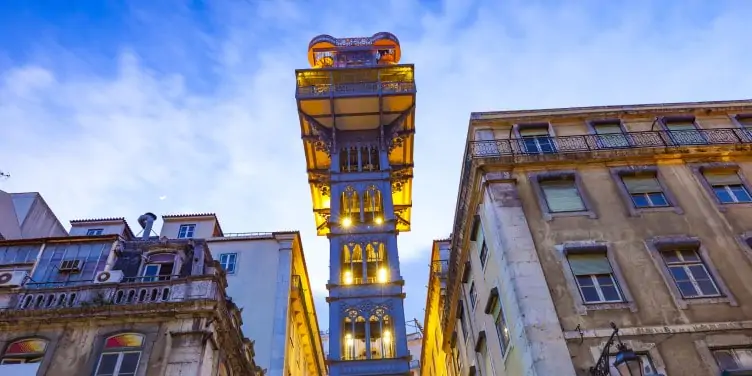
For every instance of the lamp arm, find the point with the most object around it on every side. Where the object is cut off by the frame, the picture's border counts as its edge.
(601, 366)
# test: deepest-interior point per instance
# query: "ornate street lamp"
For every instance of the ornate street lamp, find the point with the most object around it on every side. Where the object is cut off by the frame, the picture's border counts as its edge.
(626, 362)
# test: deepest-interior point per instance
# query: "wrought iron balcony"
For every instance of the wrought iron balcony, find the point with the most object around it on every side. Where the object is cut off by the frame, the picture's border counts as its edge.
(440, 268)
(539, 147)
(320, 83)
(354, 89)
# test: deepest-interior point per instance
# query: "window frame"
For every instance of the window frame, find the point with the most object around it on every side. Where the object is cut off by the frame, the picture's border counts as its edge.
(712, 342)
(519, 145)
(617, 174)
(699, 169)
(38, 357)
(235, 263)
(94, 231)
(663, 243)
(735, 120)
(494, 301)
(589, 247)
(663, 122)
(145, 348)
(537, 177)
(192, 231)
(592, 123)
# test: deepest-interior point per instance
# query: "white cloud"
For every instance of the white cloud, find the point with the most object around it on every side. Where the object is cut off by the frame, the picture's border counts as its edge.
(205, 115)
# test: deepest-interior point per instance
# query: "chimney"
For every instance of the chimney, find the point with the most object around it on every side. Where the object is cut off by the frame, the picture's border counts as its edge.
(146, 221)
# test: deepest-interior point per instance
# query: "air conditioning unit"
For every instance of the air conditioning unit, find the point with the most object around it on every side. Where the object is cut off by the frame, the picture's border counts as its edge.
(71, 266)
(13, 279)
(111, 276)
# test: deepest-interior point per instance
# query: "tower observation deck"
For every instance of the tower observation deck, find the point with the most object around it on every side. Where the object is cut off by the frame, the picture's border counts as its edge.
(357, 113)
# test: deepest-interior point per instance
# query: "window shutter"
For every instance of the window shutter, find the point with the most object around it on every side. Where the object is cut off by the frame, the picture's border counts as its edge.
(562, 196)
(607, 128)
(533, 131)
(722, 178)
(589, 264)
(642, 184)
(681, 125)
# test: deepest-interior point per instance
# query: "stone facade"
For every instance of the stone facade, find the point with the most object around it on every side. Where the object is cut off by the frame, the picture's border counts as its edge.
(636, 215)
(176, 323)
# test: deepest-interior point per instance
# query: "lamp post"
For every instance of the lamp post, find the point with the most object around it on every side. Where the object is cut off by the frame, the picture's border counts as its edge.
(626, 362)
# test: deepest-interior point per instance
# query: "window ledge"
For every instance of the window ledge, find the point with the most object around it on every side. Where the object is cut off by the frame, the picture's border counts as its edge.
(636, 212)
(631, 306)
(723, 207)
(709, 300)
(549, 216)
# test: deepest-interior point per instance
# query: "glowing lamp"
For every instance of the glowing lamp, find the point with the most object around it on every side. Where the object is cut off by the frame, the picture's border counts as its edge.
(348, 339)
(379, 220)
(382, 276)
(348, 278)
(346, 222)
(326, 202)
(387, 336)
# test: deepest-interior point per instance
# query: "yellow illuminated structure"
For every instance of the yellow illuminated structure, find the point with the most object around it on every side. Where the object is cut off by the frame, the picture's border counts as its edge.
(434, 361)
(356, 107)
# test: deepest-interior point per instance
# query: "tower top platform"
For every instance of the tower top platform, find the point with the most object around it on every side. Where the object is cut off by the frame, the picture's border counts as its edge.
(326, 51)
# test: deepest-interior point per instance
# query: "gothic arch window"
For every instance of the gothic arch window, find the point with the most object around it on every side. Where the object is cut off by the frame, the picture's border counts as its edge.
(381, 334)
(358, 157)
(365, 263)
(29, 350)
(350, 206)
(354, 341)
(120, 355)
(373, 206)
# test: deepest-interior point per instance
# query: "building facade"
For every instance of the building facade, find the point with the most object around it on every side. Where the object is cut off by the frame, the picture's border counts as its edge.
(638, 216)
(356, 107)
(27, 215)
(105, 305)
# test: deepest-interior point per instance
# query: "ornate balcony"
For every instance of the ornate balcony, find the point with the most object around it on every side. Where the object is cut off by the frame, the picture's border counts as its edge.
(139, 294)
(319, 84)
(546, 148)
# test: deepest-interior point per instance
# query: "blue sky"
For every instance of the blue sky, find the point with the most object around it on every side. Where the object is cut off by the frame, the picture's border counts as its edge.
(107, 105)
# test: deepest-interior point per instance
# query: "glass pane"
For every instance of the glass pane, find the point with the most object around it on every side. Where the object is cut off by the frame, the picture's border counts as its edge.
(743, 358)
(699, 272)
(741, 193)
(658, 199)
(687, 289)
(546, 144)
(670, 257)
(107, 363)
(151, 270)
(707, 287)
(605, 280)
(530, 145)
(640, 200)
(610, 293)
(129, 364)
(679, 273)
(589, 294)
(725, 359)
(584, 280)
(689, 255)
(723, 195)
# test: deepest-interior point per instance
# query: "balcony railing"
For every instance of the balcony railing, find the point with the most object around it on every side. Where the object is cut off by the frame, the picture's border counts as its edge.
(38, 296)
(546, 145)
(440, 268)
(360, 88)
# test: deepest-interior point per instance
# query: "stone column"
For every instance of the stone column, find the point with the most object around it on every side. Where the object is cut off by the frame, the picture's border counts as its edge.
(526, 299)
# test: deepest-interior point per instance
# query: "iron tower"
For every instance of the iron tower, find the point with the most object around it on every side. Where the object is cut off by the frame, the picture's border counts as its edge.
(356, 105)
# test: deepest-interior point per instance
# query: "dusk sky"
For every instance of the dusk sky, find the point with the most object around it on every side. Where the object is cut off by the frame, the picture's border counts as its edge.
(115, 108)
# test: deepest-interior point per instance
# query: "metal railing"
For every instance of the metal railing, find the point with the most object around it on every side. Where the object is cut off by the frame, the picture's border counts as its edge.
(325, 90)
(248, 234)
(543, 145)
(440, 268)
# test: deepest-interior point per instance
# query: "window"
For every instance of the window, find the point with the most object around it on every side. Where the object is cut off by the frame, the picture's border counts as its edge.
(483, 254)
(379, 334)
(727, 186)
(690, 274)
(160, 267)
(186, 231)
(595, 278)
(473, 295)
(648, 367)
(535, 139)
(683, 131)
(609, 134)
(120, 355)
(24, 351)
(645, 190)
(94, 231)
(227, 261)
(363, 267)
(562, 195)
(463, 323)
(359, 158)
(733, 359)
(493, 307)
(481, 347)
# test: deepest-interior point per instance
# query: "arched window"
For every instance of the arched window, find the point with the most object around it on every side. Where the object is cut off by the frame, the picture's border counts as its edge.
(381, 335)
(364, 263)
(29, 350)
(373, 208)
(349, 207)
(120, 355)
(159, 267)
(354, 341)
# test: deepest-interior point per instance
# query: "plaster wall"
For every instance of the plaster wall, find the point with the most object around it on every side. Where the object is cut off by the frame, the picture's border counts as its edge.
(80, 229)
(204, 227)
